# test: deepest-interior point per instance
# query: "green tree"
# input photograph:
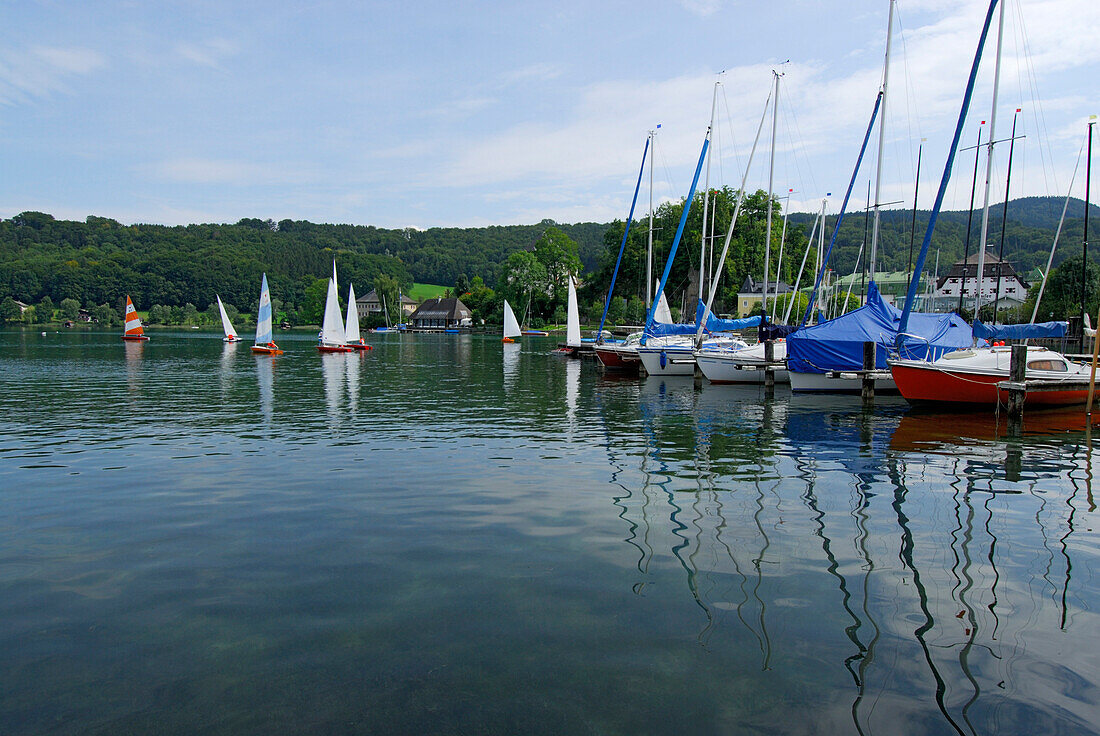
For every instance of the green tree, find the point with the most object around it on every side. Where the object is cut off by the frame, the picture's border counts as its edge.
(10, 311)
(1062, 296)
(159, 314)
(482, 301)
(30, 315)
(462, 285)
(45, 309)
(312, 310)
(386, 289)
(557, 253)
(70, 309)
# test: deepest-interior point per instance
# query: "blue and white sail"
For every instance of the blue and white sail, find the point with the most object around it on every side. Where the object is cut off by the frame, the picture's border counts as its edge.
(264, 333)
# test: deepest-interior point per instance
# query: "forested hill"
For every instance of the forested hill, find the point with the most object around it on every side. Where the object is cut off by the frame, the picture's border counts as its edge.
(100, 260)
(1032, 222)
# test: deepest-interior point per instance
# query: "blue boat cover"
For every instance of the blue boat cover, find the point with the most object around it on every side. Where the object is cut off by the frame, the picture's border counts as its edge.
(714, 324)
(1019, 332)
(838, 343)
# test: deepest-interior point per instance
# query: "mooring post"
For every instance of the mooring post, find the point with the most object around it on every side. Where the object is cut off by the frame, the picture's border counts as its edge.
(868, 377)
(769, 369)
(1017, 374)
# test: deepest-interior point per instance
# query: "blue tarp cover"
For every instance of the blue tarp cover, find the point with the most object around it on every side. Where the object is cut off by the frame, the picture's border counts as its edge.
(1019, 332)
(660, 329)
(838, 343)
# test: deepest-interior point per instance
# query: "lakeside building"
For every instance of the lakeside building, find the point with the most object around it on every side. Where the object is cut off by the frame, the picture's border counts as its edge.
(751, 294)
(371, 304)
(442, 314)
(964, 275)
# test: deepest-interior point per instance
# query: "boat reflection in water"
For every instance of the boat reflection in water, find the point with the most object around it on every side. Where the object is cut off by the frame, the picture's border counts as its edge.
(906, 566)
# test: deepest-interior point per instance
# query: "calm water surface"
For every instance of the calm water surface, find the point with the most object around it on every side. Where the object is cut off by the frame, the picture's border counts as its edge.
(447, 535)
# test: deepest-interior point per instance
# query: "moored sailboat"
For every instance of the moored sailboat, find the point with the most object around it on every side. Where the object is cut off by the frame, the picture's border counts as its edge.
(265, 340)
(351, 330)
(230, 334)
(134, 329)
(572, 344)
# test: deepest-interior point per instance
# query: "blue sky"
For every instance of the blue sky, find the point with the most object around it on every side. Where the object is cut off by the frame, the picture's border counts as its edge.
(423, 114)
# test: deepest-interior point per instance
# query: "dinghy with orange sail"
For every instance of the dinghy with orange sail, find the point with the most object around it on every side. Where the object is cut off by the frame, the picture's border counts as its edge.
(134, 330)
(265, 340)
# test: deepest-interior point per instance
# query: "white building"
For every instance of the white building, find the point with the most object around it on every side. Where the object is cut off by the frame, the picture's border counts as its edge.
(963, 275)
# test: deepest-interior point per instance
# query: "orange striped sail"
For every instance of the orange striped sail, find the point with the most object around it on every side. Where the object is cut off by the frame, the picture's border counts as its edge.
(134, 330)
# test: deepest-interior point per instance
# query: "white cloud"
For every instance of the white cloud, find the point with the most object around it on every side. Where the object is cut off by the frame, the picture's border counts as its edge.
(224, 171)
(208, 53)
(40, 71)
(701, 7)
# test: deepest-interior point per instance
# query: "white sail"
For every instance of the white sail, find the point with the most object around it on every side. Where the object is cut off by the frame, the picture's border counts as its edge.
(511, 324)
(332, 326)
(572, 319)
(351, 332)
(263, 316)
(663, 313)
(226, 324)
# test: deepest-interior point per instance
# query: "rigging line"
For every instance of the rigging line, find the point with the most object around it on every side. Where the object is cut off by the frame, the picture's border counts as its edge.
(792, 147)
(790, 118)
(911, 101)
(733, 137)
(1041, 129)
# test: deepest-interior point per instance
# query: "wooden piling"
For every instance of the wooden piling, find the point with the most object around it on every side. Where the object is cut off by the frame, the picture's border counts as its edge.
(769, 369)
(868, 374)
(1017, 373)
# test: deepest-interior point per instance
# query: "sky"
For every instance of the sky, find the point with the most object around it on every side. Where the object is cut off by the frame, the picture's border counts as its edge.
(424, 114)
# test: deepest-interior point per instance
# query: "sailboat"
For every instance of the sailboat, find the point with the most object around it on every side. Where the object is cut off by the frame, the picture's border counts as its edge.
(351, 331)
(265, 340)
(332, 338)
(511, 324)
(230, 334)
(134, 330)
(572, 344)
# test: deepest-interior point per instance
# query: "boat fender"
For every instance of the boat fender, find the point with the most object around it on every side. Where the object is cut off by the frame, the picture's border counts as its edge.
(664, 358)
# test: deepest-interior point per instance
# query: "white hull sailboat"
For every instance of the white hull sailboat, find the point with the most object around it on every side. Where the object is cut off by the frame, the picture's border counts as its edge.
(230, 334)
(265, 340)
(572, 344)
(351, 330)
(332, 338)
(511, 324)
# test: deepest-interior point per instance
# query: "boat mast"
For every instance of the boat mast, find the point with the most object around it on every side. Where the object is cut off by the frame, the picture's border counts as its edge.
(881, 140)
(649, 246)
(1004, 218)
(914, 283)
(913, 226)
(798, 279)
(706, 198)
(989, 163)
(970, 217)
(782, 241)
(716, 276)
(1085, 240)
(771, 179)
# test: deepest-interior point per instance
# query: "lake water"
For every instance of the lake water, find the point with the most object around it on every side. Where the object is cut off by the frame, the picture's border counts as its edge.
(447, 535)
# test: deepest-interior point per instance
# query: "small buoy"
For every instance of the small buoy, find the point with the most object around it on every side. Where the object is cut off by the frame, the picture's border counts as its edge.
(43, 334)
